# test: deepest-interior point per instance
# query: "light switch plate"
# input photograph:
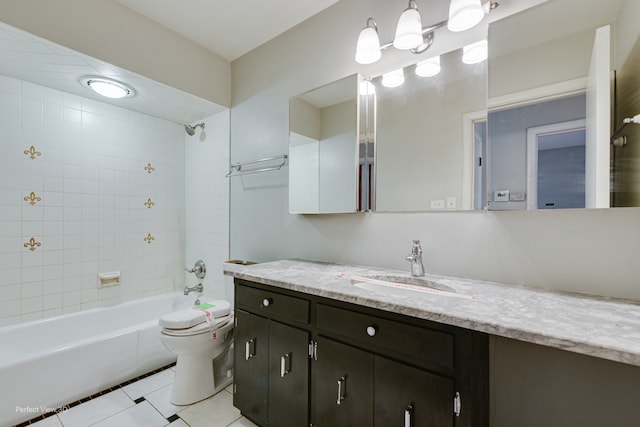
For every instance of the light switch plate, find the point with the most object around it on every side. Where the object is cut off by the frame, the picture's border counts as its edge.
(501, 196)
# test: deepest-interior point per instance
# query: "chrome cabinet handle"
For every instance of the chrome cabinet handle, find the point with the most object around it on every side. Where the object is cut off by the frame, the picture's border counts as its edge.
(249, 349)
(285, 364)
(372, 330)
(408, 415)
(342, 386)
(267, 302)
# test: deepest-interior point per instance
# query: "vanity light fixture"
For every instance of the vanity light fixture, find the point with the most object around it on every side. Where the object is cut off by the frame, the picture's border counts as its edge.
(107, 87)
(429, 67)
(393, 78)
(475, 52)
(410, 35)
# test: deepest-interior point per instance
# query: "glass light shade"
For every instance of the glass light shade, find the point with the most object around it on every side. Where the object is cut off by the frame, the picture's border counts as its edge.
(106, 87)
(409, 29)
(368, 47)
(464, 14)
(429, 67)
(393, 78)
(475, 52)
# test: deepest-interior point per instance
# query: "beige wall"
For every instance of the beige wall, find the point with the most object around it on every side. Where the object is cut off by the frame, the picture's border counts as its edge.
(591, 251)
(106, 30)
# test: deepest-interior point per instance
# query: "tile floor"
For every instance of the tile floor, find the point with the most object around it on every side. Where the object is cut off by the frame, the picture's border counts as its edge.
(145, 403)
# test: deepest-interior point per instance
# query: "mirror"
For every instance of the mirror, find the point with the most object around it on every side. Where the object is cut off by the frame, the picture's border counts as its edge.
(551, 99)
(425, 136)
(323, 149)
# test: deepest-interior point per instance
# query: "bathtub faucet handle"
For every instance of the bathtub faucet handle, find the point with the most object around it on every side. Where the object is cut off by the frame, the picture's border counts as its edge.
(199, 269)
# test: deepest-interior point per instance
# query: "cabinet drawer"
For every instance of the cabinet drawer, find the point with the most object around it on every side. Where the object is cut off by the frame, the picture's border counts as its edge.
(427, 347)
(270, 304)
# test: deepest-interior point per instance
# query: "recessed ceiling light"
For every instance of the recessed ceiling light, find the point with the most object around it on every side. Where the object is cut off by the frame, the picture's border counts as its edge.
(107, 87)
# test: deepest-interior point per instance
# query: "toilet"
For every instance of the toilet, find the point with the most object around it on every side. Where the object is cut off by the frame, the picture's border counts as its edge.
(202, 337)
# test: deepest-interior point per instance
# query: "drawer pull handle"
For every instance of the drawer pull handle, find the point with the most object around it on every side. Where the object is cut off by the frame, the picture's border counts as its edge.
(342, 387)
(372, 330)
(408, 415)
(285, 364)
(250, 349)
(267, 302)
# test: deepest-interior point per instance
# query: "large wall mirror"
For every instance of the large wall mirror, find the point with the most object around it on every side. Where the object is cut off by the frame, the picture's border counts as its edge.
(323, 137)
(562, 78)
(540, 125)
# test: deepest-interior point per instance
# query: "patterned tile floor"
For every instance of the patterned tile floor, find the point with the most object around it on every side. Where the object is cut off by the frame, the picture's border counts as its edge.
(145, 403)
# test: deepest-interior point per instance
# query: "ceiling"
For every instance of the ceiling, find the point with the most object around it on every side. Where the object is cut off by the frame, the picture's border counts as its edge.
(228, 28)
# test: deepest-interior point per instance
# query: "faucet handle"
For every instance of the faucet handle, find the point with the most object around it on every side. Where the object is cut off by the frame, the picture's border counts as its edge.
(417, 248)
(199, 269)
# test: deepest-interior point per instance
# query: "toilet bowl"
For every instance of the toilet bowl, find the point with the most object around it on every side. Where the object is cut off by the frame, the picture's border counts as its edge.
(202, 337)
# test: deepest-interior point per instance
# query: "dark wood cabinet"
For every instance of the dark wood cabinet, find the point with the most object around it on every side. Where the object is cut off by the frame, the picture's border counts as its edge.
(342, 385)
(303, 360)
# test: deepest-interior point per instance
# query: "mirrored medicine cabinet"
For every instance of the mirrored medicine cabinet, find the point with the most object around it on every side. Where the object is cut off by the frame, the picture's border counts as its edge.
(528, 129)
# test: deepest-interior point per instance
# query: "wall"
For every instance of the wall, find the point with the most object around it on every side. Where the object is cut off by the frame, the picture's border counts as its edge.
(122, 37)
(207, 202)
(590, 251)
(80, 193)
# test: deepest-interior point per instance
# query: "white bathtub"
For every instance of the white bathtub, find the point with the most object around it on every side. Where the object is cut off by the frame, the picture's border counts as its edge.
(52, 362)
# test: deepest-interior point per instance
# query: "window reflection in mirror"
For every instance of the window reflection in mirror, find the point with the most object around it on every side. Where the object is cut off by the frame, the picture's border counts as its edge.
(323, 135)
(547, 80)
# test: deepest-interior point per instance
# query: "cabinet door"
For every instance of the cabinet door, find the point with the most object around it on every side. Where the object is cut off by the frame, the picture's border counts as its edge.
(251, 343)
(288, 376)
(342, 386)
(406, 396)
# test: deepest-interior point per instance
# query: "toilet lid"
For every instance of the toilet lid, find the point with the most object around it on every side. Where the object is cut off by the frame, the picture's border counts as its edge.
(200, 328)
(192, 316)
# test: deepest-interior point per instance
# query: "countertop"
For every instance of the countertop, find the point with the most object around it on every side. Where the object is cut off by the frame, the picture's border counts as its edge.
(601, 327)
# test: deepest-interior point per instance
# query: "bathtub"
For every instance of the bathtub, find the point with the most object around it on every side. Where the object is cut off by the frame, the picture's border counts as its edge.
(48, 363)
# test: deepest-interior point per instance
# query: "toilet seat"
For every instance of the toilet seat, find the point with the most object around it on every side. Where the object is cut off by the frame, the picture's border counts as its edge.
(196, 320)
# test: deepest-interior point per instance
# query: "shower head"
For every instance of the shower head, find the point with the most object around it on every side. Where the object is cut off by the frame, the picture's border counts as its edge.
(191, 130)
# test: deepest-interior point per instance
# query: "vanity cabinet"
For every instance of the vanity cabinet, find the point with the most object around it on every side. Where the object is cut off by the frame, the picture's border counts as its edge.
(271, 380)
(350, 365)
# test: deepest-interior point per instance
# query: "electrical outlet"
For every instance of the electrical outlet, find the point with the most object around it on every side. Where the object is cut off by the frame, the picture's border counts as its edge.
(451, 202)
(437, 204)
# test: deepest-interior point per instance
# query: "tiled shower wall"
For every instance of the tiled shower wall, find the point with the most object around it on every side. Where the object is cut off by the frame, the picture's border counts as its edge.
(85, 188)
(207, 202)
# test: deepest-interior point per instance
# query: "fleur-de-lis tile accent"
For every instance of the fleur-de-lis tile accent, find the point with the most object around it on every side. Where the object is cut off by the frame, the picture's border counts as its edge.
(32, 153)
(149, 204)
(149, 168)
(32, 198)
(149, 238)
(32, 244)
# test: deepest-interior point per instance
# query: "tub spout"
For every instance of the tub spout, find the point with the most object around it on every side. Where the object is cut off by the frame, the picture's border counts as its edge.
(196, 288)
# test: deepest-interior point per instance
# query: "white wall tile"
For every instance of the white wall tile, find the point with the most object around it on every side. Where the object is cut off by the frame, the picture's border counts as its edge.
(91, 180)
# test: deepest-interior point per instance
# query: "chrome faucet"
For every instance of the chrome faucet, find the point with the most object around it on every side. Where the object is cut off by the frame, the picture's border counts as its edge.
(417, 268)
(196, 288)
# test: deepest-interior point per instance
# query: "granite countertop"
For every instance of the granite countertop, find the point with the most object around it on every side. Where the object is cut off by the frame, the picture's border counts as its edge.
(601, 327)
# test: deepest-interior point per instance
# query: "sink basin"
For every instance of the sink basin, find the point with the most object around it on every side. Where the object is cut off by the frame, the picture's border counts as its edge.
(403, 286)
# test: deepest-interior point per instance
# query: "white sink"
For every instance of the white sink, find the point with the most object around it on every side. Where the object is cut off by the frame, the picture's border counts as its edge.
(403, 286)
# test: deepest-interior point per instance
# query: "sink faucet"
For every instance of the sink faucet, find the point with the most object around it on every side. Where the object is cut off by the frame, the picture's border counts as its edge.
(196, 288)
(417, 268)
